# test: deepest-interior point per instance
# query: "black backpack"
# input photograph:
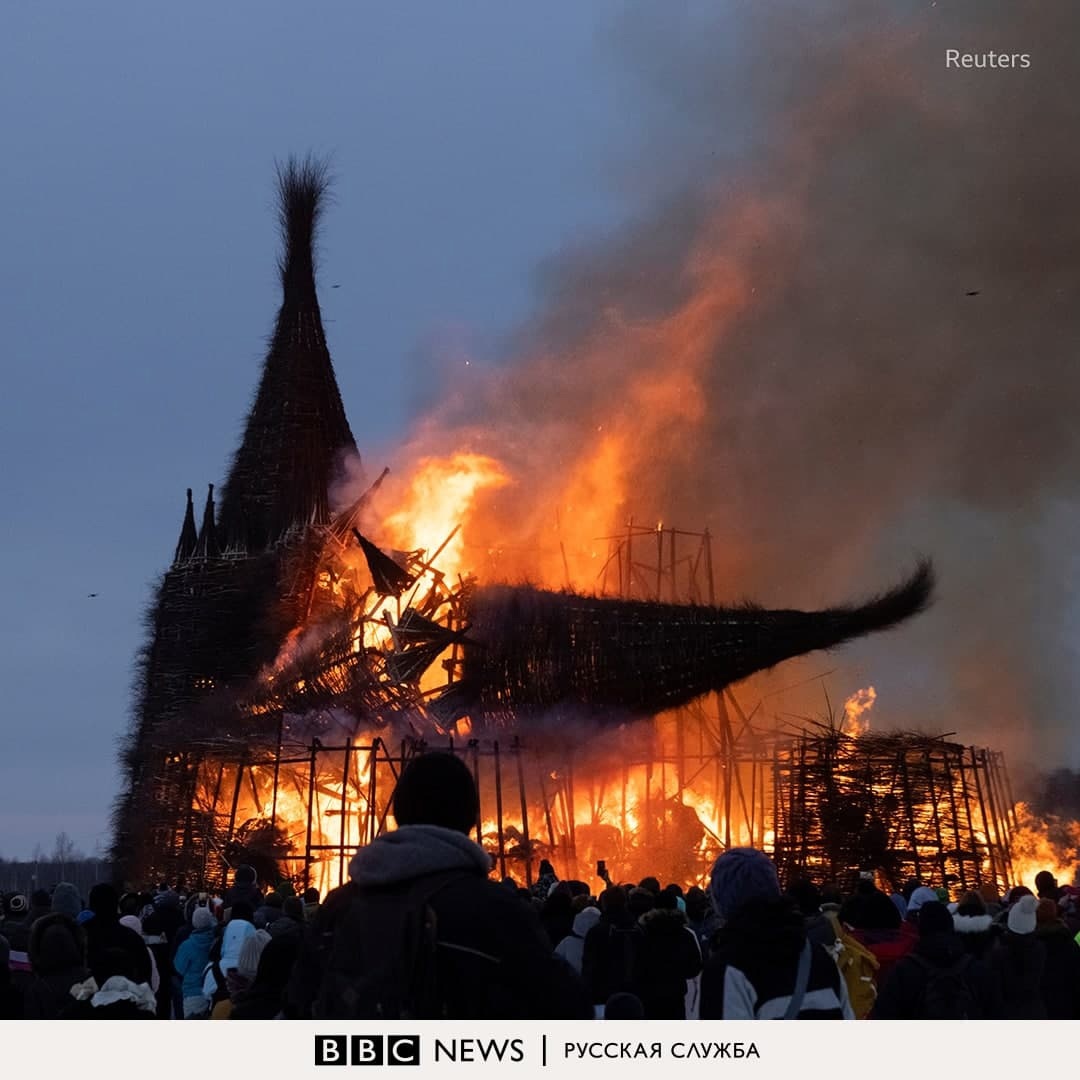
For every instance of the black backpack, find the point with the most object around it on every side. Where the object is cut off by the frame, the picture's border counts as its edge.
(947, 994)
(381, 960)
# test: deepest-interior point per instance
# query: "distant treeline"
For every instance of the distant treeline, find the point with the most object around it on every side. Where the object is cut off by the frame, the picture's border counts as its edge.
(25, 877)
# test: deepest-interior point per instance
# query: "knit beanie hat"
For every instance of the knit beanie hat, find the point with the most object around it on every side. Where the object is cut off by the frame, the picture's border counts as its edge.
(1046, 913)
(934, 918)
(16, 905)
(1022, 915)
(245, 875)
(250, 951)
(436, 789)
(66, 900)
(202, 918)
(739, 876)
(922, 895)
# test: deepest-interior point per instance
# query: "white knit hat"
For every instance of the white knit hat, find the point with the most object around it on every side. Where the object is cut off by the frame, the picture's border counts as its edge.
(1022, 915)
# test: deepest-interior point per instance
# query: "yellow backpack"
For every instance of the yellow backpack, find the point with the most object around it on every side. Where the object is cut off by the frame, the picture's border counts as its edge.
(858, 965)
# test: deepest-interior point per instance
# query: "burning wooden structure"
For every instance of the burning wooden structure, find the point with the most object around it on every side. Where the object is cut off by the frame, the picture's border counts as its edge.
(901, 805)
(292, 666)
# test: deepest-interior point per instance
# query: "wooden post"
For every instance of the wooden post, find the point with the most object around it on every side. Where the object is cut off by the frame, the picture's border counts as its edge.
(474, 745)
(674, 580)
(902, 762)
(277, 766)
(524, 814)
(966, 788)
(344, 808)
(310, 816)
(934, 810)
(374, 824)
(955, 819)
(1009, 791)
(499, 810)
(990, 845)
(630, 559)
(708, 568)
(570, 810)
(995, 813)
(547, 810)
(659, 563)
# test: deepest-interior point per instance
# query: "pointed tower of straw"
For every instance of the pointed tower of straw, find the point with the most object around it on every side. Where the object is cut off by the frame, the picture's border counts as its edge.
(243, 581)
(296, 430)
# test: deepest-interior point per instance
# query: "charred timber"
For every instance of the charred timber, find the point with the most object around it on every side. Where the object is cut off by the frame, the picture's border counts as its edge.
(534, 651)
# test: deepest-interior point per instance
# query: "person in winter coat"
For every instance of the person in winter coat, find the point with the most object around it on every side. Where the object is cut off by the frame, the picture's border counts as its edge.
(244, 889)
(15, 927)
(265, 998)
(572, 947)
(609, 957)
(11, 999)
(974, 924)
(58, 962)
(669, 956)
(104, 932)
(1061, 973)
(807, 898)
(133, 922)
(190, 963)
(422, 930)
(66, 900)
(290, 922)
(119, 996)
(1019, 961)
(239, 979)
(753, 967)
(700, 916)
(225, 952)
(876, 924)
(268, 911)
(938, 979)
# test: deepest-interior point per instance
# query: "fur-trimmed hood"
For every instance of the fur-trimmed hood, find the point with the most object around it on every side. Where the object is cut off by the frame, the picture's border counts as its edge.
(972, 924)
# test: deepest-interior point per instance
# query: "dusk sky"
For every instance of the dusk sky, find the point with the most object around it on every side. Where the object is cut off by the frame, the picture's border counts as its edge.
(480, 151)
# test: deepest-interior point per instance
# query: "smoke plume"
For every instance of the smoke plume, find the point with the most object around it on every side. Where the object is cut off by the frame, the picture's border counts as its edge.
(840, 334)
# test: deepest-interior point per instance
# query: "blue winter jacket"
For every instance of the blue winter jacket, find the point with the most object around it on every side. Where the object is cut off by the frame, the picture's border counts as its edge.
(191, 960)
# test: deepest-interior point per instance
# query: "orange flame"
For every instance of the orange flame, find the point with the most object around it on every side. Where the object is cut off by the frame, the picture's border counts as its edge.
(856, 719)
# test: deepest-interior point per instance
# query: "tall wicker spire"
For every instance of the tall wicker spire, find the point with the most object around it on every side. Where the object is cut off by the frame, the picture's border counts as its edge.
(297, 427)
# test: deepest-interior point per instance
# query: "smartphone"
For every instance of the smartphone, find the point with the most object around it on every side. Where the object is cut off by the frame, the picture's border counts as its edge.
(601, 869)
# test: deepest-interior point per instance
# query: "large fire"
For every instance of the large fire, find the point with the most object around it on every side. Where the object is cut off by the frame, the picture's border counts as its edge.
(662, 799)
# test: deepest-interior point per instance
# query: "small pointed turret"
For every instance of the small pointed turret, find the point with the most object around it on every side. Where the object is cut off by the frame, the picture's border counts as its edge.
(206, 546)
(185, 546)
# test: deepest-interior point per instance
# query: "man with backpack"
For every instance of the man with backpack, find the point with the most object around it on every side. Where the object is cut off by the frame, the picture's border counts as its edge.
(762, 965)
(420, 932)
(939, 979)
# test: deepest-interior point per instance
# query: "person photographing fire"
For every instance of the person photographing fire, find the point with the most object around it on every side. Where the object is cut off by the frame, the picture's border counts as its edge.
(421, 932)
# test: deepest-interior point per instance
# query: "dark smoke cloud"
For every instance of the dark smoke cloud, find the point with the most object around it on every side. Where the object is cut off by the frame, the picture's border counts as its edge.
(847, 403)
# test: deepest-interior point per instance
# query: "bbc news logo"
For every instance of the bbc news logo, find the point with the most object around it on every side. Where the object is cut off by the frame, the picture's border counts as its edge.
(367, 1049)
